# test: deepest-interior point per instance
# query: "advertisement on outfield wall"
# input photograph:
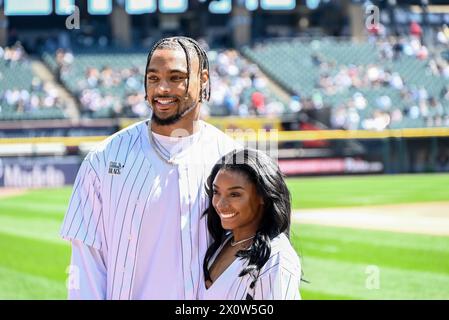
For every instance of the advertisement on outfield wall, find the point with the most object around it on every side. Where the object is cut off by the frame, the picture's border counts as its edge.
(51, 172)
(39, 172)
(294, 167)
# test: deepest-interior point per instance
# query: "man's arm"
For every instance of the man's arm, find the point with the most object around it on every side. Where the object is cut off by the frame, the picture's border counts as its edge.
(88, 277)
(83, 227)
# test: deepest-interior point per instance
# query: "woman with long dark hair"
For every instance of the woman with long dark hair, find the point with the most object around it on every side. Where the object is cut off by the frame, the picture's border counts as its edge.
(250, 256)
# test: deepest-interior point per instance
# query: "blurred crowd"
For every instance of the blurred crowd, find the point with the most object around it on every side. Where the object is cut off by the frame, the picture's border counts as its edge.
(12, 55)
(21, 97)
(39, 96)
(386, 115)
(238, 88)
(386, 111)
(118, 91)
(419, 104)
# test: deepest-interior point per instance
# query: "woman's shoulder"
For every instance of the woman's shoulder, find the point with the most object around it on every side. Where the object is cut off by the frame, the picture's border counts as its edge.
(283, 257)
(282, 245)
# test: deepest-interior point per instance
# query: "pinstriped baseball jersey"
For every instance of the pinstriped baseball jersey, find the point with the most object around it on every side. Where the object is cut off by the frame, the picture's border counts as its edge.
(121, 206)
(279, 278)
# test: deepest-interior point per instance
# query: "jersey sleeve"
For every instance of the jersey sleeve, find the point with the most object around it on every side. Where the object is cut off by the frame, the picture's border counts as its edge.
(83, 220)
(88, 275)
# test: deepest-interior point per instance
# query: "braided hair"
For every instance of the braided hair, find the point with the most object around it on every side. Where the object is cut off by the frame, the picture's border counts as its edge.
(187, 45)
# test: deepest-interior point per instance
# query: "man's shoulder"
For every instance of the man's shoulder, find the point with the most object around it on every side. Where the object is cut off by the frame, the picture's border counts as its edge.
(218, 135)
(129, 133)
(98, 156)
(213, 130)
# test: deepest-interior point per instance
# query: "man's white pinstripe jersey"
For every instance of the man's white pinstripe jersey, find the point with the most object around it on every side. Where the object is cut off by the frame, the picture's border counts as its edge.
(136, 222)
(279, 278)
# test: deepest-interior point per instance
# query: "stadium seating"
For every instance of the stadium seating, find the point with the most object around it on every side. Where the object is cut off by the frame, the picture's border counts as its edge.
(297, 66)
(74, 75)
(109, 84)
(17, 79)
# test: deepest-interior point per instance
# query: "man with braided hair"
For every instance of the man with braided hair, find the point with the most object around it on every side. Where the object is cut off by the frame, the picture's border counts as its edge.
(135, 217)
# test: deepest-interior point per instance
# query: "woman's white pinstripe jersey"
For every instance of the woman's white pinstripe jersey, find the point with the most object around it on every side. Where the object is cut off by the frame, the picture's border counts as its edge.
(279, 278)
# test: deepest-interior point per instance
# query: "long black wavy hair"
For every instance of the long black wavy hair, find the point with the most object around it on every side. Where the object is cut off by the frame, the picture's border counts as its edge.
(263, 171)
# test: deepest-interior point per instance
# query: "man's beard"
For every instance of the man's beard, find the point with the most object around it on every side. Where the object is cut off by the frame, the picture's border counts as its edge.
(172, 119)
(167, 121)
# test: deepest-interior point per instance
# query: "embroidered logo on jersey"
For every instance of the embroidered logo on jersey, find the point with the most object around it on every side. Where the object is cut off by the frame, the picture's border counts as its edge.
(115, 167)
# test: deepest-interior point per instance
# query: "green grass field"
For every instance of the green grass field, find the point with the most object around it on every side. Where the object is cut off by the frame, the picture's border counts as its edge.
(338, 263)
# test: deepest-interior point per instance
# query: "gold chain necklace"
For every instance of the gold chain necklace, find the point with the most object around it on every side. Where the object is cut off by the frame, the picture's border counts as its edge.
(159, 152)
(233, 244)
(162, 156)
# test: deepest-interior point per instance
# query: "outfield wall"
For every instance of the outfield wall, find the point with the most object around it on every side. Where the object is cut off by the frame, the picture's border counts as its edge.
(23, 164)
(38, 172)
